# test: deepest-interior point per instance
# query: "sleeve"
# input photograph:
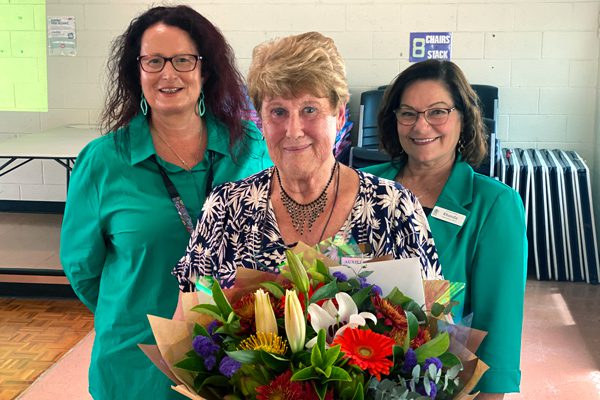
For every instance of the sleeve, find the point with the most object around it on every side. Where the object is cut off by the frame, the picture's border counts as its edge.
(82, 245)
(205, 246)
(417, 238)
(497, 292)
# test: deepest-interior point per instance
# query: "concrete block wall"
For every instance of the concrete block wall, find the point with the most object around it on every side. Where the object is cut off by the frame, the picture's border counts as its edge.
(543, 55)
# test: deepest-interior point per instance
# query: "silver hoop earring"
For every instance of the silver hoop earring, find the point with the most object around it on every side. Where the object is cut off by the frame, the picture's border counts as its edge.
(201, 106)
(144, 105)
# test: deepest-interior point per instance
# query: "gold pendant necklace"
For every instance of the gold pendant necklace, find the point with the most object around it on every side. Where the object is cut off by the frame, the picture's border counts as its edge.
(186, 166)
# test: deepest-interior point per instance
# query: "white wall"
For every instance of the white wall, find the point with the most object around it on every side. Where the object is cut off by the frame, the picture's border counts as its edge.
(542, 55)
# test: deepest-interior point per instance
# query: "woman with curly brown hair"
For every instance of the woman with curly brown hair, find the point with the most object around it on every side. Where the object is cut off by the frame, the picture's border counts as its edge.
(431, 126)
(174, 113)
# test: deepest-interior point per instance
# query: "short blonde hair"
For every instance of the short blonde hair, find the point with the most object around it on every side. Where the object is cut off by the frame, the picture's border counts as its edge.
(308, 62)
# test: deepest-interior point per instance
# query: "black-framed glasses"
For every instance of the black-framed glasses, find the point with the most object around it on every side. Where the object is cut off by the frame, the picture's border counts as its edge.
(181, 62)
(433, 116)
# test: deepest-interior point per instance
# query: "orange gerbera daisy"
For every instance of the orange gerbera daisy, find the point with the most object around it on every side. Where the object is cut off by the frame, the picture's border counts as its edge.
(367, 350)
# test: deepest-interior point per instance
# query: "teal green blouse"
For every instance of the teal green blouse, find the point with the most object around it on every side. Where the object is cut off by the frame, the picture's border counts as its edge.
(121, 237)
(489, 254)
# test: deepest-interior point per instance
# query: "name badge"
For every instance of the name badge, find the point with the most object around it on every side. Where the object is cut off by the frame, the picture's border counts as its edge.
(448, 216)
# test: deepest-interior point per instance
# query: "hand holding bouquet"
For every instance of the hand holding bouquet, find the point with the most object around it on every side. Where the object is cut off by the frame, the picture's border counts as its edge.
(311, 334)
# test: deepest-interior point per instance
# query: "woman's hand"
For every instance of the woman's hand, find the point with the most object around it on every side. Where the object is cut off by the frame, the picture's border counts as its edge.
(178, 315)
(490, 396)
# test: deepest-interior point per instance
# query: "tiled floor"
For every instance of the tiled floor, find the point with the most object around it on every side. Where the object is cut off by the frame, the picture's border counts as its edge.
(561, 335)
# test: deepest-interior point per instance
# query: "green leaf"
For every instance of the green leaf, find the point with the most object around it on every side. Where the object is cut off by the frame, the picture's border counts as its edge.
(321, 390)
(365, 274)
(434, 348)
(215, 380)
(437, 309)
(316, 356)
(397, 297)
(200, 330)
(321, 267)
(359, 392)
(276, 289)
(332, 354)
(194, 364)
(220, 299)
(449, 306)
(416, 309)
(339, 374)
(274, 362)
(244, 356)
(449, 360)
(324, 292)
(363, 294)
(304, 374)
(413, 324)
(210, 309)
(321, 339)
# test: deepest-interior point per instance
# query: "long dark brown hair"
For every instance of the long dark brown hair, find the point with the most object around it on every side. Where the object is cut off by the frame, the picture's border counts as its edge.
(223, 85)
(465, 100)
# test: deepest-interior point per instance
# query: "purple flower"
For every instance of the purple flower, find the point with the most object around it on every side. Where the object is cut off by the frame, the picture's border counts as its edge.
(376, 290)
(204, 346)
(432, 390)
(410, 360)
(229, 366)
(209, 362)
(340, 276)
(211, 328)
(433, 360)
(363, 282)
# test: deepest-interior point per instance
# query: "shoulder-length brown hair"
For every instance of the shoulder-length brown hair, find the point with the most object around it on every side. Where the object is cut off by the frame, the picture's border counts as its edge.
(223, 86)
(472, 136)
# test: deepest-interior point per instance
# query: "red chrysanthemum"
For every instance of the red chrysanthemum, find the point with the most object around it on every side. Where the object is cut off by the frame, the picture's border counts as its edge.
(391, 314)
(281, 388)
(244, 308)
(367, 350)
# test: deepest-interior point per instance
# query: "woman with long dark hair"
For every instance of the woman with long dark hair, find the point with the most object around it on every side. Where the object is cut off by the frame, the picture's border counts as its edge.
(174, 116)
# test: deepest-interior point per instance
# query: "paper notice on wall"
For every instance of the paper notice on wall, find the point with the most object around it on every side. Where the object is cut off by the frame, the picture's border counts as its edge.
(61, 36)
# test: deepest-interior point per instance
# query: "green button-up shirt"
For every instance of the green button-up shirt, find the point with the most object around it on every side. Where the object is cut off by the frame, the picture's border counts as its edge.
(121, 237)
(488, 252)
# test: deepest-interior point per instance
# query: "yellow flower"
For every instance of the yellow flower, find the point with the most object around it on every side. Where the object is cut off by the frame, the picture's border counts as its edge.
(263, 313)
(295, 324)
(269, 342)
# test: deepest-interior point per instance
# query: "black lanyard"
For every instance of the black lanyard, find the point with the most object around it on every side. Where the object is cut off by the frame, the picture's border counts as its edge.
(174, 194)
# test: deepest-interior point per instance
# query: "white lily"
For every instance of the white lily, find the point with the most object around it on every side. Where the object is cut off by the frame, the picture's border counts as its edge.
(295, 324)
(336, 320)
(263, 313)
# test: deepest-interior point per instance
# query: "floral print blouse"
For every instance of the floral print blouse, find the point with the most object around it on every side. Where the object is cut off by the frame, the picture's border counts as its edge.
(237, 228)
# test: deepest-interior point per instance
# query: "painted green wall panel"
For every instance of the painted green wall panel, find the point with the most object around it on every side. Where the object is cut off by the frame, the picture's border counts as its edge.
(5, 44)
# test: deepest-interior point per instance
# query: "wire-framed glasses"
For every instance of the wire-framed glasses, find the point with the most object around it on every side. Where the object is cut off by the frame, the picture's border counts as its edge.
(434, 116)
(181, 62)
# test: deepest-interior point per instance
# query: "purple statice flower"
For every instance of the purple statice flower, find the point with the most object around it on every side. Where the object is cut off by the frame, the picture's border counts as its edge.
(340, 276)
(211, 328)
(204, 346)
(363, 282)
(433, 360)
(410, 360)
(209, 362)
(376, 290)
(229, 366)
(432, 389)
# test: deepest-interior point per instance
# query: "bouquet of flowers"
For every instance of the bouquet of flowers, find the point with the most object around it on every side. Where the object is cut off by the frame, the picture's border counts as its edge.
(314, 332)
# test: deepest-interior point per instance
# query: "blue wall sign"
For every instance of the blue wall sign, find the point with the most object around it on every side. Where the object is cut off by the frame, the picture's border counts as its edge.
(430, 45)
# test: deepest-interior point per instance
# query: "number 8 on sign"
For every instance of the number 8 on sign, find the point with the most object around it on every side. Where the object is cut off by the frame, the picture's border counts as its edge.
(418, 48)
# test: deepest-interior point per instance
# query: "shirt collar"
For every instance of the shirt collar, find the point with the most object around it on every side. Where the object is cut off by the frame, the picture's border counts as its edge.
(142, 146)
